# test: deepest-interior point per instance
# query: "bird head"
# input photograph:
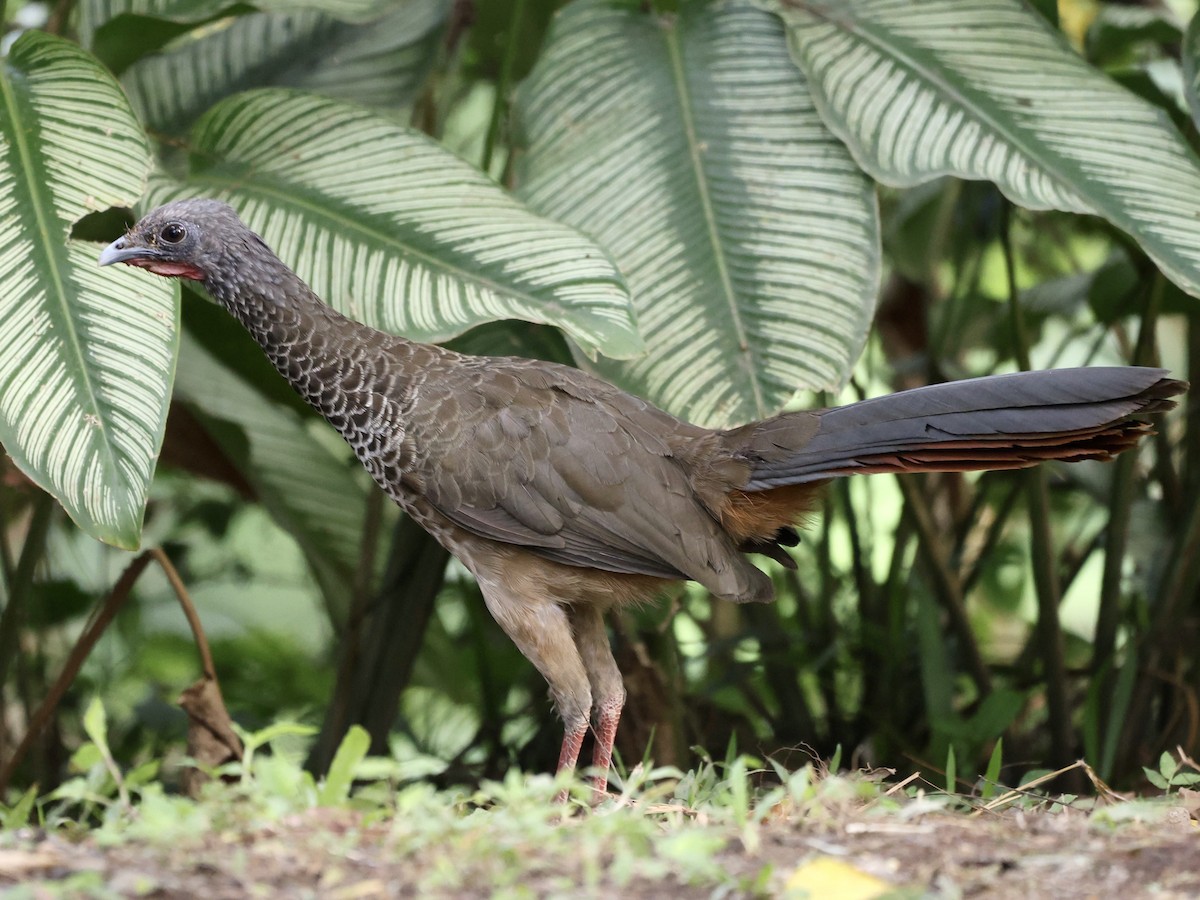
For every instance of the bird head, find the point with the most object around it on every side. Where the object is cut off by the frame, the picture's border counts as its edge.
(184, 239)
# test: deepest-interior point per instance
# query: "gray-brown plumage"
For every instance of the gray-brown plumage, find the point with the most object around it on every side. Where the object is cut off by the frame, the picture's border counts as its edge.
(565, 496)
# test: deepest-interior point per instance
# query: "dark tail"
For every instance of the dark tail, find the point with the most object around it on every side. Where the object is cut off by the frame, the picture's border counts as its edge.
(999, 422)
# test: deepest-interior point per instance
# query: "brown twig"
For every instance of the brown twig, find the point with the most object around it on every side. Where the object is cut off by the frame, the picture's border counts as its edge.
(189, 612)
(1046, 580)
(20, 588)
(1026, 790)
(103, 617)
(57, 21)
(947, 587)
(361, 602)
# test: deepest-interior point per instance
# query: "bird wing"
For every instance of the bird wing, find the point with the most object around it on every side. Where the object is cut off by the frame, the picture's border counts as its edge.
(548, 458)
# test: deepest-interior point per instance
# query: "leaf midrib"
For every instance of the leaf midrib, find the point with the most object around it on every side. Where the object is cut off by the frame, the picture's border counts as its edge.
(331, 213)
(683, 96)
(41, 217)
(977, 102)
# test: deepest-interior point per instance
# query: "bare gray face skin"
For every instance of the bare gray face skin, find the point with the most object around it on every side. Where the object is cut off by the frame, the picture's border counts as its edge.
(171, 241)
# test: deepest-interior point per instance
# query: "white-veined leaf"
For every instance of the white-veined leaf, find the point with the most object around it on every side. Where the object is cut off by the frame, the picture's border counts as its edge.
(308, 489)
(984, 89)
(688, 150)
(86, 356)
(381, 64)
(393, 230)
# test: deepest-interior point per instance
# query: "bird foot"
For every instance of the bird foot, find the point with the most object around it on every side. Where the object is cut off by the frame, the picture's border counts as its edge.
(599, 789)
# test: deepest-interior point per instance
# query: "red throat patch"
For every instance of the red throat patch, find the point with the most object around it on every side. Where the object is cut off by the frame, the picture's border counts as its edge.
(168, 269)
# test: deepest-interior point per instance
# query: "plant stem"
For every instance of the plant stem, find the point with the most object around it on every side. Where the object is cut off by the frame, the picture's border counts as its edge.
(1045, 574)
(992, 538)
(1120, 508)
(360, 605)
(945, 583)
(500, 106)
(100, 621)
(189, 612)
(19, 590)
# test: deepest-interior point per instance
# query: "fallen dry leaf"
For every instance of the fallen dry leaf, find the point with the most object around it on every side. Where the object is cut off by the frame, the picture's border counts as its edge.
(211, 739)
(825, 877)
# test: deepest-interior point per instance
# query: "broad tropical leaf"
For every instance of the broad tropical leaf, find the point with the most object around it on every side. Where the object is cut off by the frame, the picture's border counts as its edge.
(686, 148)
(381, 64)
(307, 488)
(93, 14)
(984, 89)
(86, 356)
(1190, 53)
(395, 231)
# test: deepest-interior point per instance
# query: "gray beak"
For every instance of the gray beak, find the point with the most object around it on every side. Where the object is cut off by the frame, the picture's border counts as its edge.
(117, 252)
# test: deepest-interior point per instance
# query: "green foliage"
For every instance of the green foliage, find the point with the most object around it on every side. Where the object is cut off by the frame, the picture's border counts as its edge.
(991, 777)
(353, 750)
(18, 815)
(714, 827)
(85, 401)
(723, 187)
(1169, 774)
(751, 195)
(99, 789)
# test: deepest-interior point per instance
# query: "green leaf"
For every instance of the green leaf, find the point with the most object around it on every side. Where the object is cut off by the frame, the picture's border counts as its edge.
(393, 230)
(995, 714)
(1119, 33)
(306, 487)
(1155, 779)
(991, 778)
(984, 89)
(381, 64)
(56, 601)
(143, 774)
(94, 14)
(17, 816)
(87, 756)
(86, 355)
(95, 725)
(691, 150)
(252, 740)
(352, 750)
(1190, 57)
(1167, 765)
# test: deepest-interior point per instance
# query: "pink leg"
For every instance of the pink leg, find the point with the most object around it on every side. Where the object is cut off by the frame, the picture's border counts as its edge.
(606, 733)
(569, 755)
(572, 741)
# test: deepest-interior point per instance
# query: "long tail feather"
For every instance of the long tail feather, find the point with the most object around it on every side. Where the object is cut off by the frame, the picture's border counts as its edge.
(999, 422)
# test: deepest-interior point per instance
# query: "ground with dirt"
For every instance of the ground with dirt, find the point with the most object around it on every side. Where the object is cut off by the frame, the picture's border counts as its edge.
(847, 849)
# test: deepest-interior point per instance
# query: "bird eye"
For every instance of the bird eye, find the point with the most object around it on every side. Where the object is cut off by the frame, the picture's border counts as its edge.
(173, 233)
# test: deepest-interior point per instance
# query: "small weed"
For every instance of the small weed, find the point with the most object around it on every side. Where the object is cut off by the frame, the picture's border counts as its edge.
(712, 828)
(1170, 775)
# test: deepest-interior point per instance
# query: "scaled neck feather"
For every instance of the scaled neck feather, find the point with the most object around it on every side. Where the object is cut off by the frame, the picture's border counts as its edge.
(329, 359)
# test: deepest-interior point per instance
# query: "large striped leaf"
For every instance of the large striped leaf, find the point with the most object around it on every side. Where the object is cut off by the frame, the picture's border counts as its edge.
(395, 231)
(86, 358)
(985, 89)
(381, 64)
(689, 149)
(307, 488)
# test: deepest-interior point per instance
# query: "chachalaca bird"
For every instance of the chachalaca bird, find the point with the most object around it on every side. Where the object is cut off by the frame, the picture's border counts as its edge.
(566, 496)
